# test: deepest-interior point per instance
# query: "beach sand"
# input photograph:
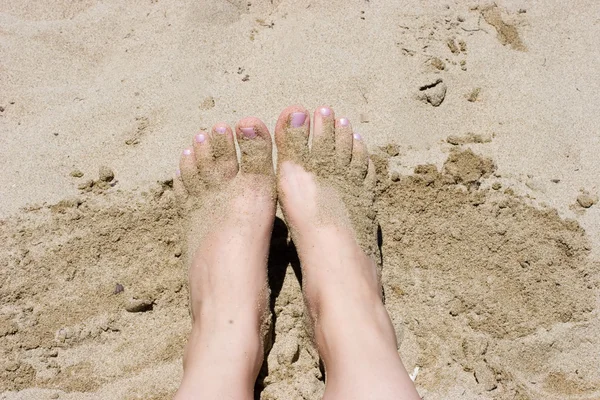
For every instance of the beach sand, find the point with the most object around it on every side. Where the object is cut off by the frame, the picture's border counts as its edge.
(482, 120)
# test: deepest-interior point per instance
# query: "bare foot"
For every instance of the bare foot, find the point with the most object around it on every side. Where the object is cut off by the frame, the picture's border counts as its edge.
(326, 195)
(228, 213)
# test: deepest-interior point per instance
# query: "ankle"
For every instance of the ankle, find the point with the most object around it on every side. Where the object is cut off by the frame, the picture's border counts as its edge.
(224, 351)
(358, 331)
(340, 282)
(229, 335)
(215, 358)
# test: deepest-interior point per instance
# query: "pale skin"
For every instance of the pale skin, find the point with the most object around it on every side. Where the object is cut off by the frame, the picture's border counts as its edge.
(229, 208)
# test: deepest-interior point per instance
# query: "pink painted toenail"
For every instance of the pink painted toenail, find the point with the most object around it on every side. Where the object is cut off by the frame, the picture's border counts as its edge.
(178, 173)
(356, 136)
(344, 122)
(326, 112)
(187, 152)
(221, 129)
(200, 138)
(297, 119)
(248, 132)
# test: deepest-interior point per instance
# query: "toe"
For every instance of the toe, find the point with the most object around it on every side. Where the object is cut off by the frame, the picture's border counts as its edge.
(189, 172)
(323, 144)
(360, 158)
(222, 147)
(291, 135)
(254, 140)
(180, 192)
(343, 143)
(371, 178)
(203, 156)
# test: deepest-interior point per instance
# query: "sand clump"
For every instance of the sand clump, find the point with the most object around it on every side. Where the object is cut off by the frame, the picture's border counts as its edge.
(463, 167)
(106, 180)
(469, 138)
(105, 174)
(76, 173)
(433, 93)
(587, 200)
(68, 327)
(507, 34)
(437, 63)
(473, 272)
(487, 293)
(473, 95)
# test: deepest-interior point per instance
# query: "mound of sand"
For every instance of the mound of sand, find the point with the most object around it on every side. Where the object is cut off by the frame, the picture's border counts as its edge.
(484, 285)
(490, 296)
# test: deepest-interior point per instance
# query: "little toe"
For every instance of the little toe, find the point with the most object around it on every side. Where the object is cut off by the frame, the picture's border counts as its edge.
(256, 147)
(291, 135)
(180, 191)
(360, 158)
(188, 166)
(323, 141)
(222, 147)
(371, 177)
(343, 143)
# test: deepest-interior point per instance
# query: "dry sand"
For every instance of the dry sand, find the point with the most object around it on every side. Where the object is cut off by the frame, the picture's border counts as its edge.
(490, 258)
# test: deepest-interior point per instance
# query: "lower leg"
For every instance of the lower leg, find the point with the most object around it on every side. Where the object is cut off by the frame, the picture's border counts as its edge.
(221, 365)
(227, 213)
(327, 194)
(353, 331)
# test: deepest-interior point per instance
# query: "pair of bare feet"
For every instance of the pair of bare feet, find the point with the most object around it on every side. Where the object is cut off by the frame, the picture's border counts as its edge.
(326, 194)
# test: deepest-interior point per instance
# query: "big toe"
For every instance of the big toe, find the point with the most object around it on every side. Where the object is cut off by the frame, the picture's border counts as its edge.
(255, 144)
(291, 135)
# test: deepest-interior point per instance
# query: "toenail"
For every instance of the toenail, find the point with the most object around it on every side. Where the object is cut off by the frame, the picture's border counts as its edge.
(297, 119)
(356, 136)
(344, 122)
(200, 138)
(178, 173)
(221, 129)
(187, 152)
(326, 112)
(248, 132)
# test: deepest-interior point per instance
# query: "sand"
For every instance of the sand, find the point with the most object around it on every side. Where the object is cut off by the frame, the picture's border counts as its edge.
(490, 257)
